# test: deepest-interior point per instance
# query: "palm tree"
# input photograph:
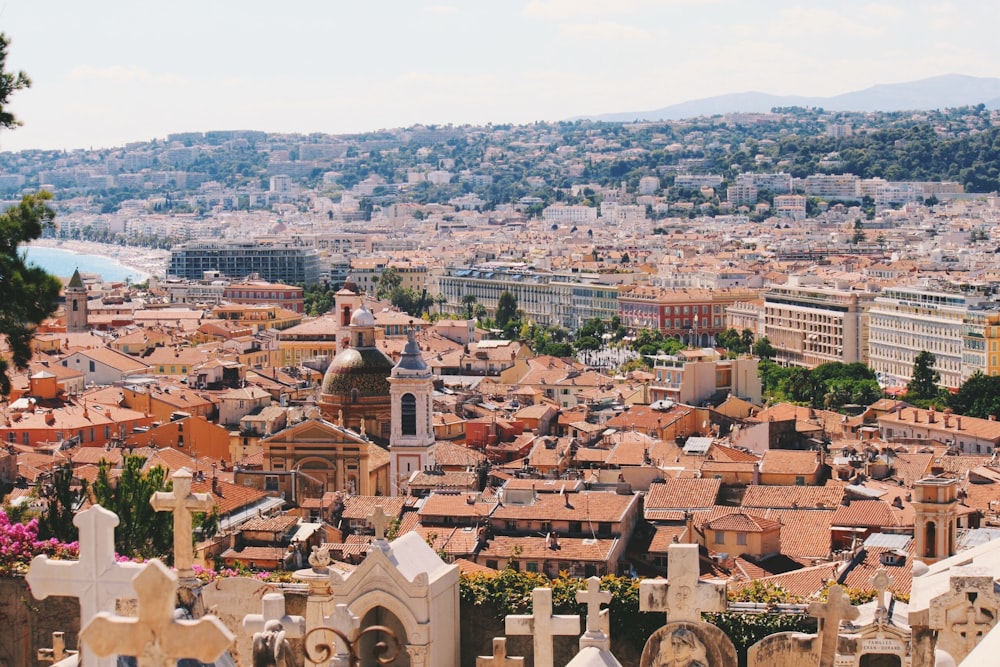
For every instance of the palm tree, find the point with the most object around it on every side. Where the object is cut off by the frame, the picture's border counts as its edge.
(469, 300)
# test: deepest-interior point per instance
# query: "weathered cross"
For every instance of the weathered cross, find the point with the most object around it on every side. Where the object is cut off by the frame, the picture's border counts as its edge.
(344, 621)
(594, 597)
(97, 579)
(682, 595)
(830, 613)
(272, 607)
(58, 650)
(379, 521)
(543, 625)
(156, 638)
(182, 503)
(881, 582)
(973, 629)
(499, 657)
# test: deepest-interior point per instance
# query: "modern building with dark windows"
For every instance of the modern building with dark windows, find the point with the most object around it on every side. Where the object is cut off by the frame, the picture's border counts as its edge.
(277, 262)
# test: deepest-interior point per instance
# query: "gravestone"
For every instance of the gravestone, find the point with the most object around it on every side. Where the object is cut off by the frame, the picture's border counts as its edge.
(792, 649)
(156, 637)
(182, 503)
(57, 652)
(683, 595)
(543, 626)
(96, 579)
(499, 657)
(688, 644)
(963, 615)
(594, 597)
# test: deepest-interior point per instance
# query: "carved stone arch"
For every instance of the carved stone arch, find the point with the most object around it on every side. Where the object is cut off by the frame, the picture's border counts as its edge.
(416, 633)
(320, 464)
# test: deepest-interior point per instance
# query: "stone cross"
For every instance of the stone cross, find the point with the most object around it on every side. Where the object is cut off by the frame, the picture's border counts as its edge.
(182, 503)
(156, 638)
(379, 521)
(543, 626)
(58, 650)
(594, 597)
(344, 621)
(973, 629)
(272, 607)
(682, 595)
(97, 579)
(499, 657)
(881, 582)
(830, 613)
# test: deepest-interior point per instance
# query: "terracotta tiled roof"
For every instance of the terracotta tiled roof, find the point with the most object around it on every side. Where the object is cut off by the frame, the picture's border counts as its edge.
(595, 506)
(357, 508)
(791, 462)
(865, 514)
(803, 583)
(271, 524)
(455, 505)
(535, 548)
(450, 454)
(869, 562)
(744, 523)
(683, 494)
(664, 537)
(793, 497)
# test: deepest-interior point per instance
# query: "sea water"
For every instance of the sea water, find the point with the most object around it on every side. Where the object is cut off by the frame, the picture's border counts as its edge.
(62, 263)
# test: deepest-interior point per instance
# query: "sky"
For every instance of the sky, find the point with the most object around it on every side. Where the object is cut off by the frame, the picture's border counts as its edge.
(108, 72)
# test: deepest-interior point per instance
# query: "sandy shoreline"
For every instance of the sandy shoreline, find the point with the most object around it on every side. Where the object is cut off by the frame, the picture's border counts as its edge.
(147, 261)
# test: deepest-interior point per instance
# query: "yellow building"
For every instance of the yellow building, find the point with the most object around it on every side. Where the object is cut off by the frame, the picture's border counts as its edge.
(741, 534)
(258, 316)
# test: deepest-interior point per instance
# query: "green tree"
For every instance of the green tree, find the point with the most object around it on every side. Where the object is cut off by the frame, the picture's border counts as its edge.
(63, 498)
(28, 293)
(506, 309)
(142, 531)
(979, 396)
(924, 378)
(469, 301)
(388, 281)
(763, 348)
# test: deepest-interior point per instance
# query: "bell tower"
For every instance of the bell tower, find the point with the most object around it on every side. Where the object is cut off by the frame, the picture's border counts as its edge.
(76, 304)
(935, 504)
(411, 387)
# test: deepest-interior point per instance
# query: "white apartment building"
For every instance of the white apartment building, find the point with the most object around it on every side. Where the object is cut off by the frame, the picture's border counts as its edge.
(776, 183)
(697, 181)
(790, 206)
(695, 376)
(833, 186)
(570, 214)
(648, 185)
(809, 325)
(741, 193)
(904, 321)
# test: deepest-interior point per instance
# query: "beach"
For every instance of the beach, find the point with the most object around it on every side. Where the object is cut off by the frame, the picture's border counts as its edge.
(147, 261)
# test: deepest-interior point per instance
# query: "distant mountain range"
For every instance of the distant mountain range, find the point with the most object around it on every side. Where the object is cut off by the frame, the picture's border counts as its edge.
(938, 92)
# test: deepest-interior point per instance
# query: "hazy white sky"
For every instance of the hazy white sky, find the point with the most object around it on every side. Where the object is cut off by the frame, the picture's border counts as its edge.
(106, 72)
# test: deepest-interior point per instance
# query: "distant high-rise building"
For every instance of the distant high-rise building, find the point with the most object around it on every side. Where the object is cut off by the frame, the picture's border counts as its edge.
(276, 262)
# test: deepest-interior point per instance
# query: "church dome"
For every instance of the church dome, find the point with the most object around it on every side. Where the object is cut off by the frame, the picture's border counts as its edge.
(365, 369)
(362, 317)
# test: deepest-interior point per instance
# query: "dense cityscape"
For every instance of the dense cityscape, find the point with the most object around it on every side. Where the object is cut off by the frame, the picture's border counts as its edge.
(758, 349)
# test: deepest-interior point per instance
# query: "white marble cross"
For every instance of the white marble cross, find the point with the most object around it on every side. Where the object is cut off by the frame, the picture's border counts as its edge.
(272, 607)
(830, 613)
(682, 595)
(58, 650)
(594, 597)
(543, 626)
(156, 638)
(379, 521)
(881, 582)
(344, 621)
(182, 503)
(499, 657)
(96, 579)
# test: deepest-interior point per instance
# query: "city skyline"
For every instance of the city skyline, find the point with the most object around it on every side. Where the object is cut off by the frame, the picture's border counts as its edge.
(108, 73)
